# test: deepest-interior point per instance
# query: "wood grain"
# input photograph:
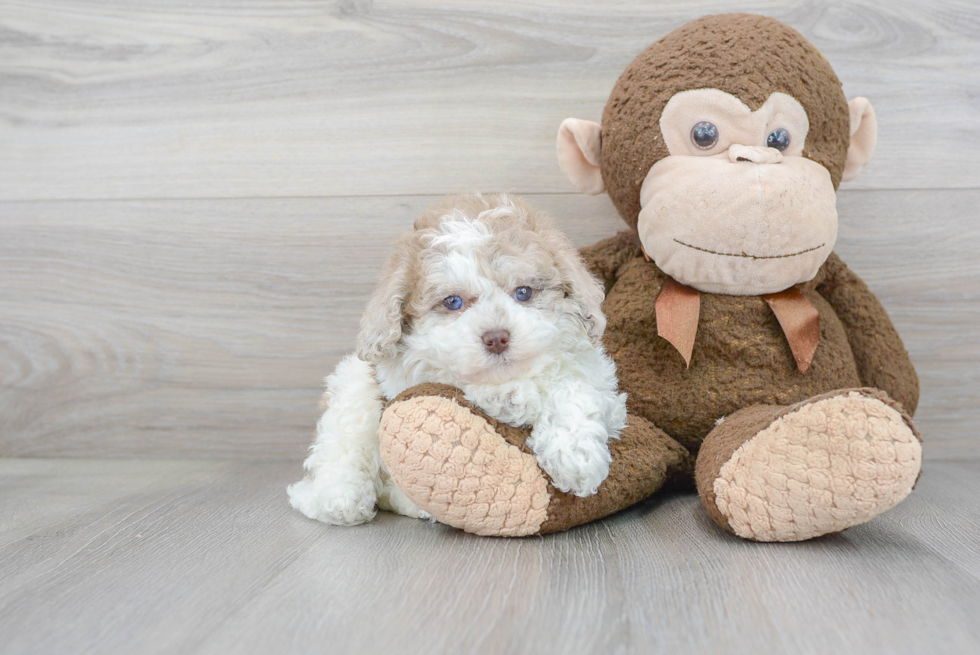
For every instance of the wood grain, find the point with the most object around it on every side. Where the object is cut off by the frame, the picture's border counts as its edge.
(243, 98)
(201, 328)
(207, 557)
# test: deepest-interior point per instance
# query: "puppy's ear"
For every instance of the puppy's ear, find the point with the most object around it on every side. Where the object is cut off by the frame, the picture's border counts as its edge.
(381, 324)
(581, 287)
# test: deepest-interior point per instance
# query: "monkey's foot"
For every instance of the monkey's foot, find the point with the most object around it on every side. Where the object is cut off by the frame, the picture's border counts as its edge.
(772, 473)
(471, 472)
(454, 464)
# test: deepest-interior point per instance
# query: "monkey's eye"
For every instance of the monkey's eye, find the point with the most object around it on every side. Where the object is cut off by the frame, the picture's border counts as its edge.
(522, 294)
(452, 303)
(778, 139)
(704, 135)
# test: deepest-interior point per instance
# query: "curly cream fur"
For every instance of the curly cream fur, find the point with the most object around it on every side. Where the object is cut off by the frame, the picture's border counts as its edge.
(554, 375)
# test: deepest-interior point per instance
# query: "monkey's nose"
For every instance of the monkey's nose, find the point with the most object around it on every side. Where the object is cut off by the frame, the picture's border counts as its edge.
(496, 341)
(754, 154)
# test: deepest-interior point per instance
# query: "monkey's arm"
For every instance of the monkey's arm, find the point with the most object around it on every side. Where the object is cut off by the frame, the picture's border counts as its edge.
(880, 355)
(605, 257)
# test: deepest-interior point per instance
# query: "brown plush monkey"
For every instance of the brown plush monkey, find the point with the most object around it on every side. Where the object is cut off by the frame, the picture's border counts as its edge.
(742, 340)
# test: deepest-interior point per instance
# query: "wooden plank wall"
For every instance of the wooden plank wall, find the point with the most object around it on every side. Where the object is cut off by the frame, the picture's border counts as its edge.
(195, 198)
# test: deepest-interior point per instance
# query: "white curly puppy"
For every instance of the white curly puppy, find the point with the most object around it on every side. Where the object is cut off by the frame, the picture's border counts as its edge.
(487, 296)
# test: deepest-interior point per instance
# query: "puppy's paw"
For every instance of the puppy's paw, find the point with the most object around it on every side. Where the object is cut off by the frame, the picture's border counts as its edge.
(335, 499)
(576, 464)
(515, 403)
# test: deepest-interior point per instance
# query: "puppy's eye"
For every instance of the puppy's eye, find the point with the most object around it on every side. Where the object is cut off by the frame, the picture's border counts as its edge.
(452, 303)
(704, 135)
(778, 139)
(522, 294)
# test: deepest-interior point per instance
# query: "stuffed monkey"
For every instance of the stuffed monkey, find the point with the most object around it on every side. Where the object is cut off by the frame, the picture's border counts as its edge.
(755, 361)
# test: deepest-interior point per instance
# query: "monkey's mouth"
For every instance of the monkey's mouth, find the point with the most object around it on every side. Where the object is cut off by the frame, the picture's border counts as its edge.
(747, 255)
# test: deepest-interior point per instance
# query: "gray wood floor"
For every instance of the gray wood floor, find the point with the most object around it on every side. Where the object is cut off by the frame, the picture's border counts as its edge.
(205, 556)
(195, 201)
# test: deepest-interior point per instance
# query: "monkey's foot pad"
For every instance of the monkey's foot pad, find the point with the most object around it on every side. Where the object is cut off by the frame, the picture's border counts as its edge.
(823, 466)
(456, 466)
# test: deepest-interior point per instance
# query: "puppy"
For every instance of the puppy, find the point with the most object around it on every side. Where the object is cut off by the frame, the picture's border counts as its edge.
(485, 295)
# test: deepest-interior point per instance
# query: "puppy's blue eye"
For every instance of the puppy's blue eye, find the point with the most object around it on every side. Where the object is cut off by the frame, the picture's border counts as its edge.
(453, 303)
(778, 139)
(522, 294)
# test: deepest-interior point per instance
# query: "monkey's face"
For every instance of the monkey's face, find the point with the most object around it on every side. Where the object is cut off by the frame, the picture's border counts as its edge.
(722, 145)
(735, 208)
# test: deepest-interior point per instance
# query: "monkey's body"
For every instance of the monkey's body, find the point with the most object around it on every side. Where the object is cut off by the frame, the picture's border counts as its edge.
(758, 367)
(742, 368)
(741, 356)
(722, 146)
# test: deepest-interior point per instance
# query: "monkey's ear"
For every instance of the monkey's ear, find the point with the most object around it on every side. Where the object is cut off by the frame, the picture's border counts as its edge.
(864, 137)
(381, 324)
(579, 143)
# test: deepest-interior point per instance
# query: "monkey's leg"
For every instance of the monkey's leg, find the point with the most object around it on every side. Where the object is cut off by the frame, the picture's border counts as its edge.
(473, 473)
(777, 473)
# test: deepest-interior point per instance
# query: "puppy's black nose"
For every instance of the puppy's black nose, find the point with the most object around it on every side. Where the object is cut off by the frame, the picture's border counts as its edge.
(496, 341)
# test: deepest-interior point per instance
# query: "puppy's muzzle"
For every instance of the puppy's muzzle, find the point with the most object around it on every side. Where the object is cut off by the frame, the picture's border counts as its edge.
(496, 341)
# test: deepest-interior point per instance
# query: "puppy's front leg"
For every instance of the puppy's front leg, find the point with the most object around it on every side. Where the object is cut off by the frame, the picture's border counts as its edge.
(515, 403)
(570, 436)
(342, 477)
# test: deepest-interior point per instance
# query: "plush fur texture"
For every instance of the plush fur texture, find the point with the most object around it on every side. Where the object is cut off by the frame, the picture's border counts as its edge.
(553, 375)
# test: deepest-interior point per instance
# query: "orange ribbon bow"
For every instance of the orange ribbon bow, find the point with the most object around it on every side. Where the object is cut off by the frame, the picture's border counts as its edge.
(678, 308)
